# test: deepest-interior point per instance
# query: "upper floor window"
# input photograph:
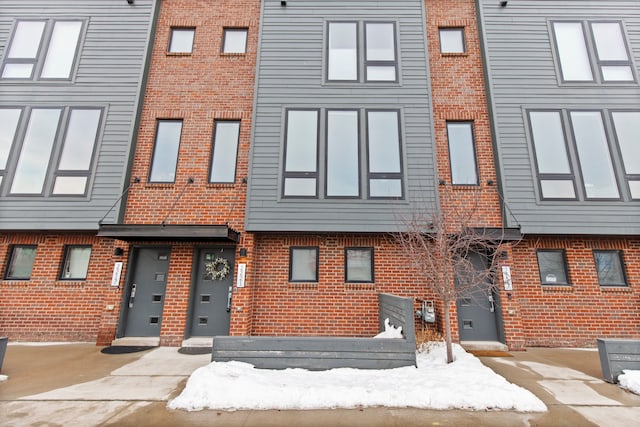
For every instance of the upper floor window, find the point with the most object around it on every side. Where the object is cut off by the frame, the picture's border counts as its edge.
(21, 261)
(452, 40)
(75, 263)
(181, 40)
(384, 153)
(301, 154)
(610, 268)
(380, 53)
(225, 151)
(165, 151)
(593, 51)
(235, 40)
(44, 49)
(48, 151)
(568, 141)
(462, 153)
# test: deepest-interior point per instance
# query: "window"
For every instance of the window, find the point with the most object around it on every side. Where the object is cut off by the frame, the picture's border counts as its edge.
(21, 261)
(380, 52)
(235, 40)
(225, 151)
(606, 53)
(462, 153)
(380, 61)
(42, 50)
(301, 154)
(452, 40)
(384, 155)
(627, 128)
(303, 264)
(343, 154)
(74, 130)
(358, 265)
(75, 263)
(552, 265)
(181, 40)
(165, 152)
(610, 268)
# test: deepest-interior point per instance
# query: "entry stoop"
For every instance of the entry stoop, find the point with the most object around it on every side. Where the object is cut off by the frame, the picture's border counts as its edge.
(136, 341)
(198, 342)
(484, 346)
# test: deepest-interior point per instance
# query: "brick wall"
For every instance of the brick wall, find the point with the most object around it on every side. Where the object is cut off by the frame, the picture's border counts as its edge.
(47, 309)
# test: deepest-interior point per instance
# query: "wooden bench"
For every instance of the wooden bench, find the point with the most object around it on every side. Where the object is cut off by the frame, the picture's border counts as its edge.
(319, 353)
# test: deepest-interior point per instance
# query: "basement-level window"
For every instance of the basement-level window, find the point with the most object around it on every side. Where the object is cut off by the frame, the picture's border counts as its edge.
(75, 263)
(610, 268)
(552, 265)
(358, 265)
(303, 264)
(21, 259)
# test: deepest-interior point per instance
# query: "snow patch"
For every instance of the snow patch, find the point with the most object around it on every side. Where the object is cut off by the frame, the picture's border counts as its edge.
(630, 380)
(3, 378)
(390, 331)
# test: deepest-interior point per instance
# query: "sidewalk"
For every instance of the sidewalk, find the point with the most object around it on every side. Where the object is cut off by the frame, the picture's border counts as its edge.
(76, 385)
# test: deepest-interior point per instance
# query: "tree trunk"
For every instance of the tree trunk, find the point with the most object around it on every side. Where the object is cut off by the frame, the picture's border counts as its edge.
(447, 331)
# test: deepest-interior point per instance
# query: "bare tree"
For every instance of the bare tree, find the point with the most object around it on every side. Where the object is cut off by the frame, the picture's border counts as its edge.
(441, 249)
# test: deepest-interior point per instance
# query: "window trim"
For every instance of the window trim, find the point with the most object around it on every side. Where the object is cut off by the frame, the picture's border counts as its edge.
(563, 253)
(459, 29)
(371, 266)
(10, 258)
(298, 174)
(622, 268)
(317, 272)
(387, 63)
(213, 147)
(65, 255)
(326, 146)
(598, 63)
(171, 33)
(245, 30)
(628, 177)
(473, 148)
(155, 146)
(384, 175)
(12, 145)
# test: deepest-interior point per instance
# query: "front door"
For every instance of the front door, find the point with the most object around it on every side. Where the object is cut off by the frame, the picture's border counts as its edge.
(212, 292)
(477, 311)
(145, 293)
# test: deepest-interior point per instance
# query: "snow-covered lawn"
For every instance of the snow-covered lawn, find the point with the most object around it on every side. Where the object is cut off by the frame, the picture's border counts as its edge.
(630, 380)
(464, 384)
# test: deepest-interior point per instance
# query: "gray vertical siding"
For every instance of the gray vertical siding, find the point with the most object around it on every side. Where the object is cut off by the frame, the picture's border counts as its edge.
(290, 75)
(523, 75)
(109, 71)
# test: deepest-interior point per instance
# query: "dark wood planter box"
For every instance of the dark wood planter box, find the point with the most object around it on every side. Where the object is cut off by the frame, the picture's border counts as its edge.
(617, 355)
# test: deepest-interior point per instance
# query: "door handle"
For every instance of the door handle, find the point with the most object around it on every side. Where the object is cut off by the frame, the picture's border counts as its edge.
(229, 299)
(132, 297)
(492, 308)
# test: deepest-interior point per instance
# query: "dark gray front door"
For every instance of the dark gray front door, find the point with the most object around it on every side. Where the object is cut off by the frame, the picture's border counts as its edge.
(211, 298)
(477, 312)
(145, 293)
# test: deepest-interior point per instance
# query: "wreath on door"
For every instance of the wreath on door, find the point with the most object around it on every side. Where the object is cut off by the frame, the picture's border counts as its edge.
(217, 269)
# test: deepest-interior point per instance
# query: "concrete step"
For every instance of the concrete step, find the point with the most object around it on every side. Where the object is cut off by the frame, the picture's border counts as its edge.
(136, 341)
(484, 345)
(198, 342)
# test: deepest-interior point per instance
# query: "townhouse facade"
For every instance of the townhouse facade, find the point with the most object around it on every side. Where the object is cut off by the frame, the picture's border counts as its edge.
(272, 148)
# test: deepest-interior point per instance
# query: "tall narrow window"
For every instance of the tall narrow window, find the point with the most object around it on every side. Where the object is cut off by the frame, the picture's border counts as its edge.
(301, 154)
(380, 52)
(182, 40)
(61, 54)
(627, 129)
(165, 152)
(343, 51)
(33, 162)
(75, 263)
(462, 153)
(593, 153)
(610, 268)
(343, 164)
(22, 54)
(554, 171)
(572, 51)
(611, 50)
(358, 265)
(225, 151)
(9, 117)
(21, 261)
(75, 162)
(235, 40)
(303, 264)
(451, 40)
(384, 154)
(552, 265)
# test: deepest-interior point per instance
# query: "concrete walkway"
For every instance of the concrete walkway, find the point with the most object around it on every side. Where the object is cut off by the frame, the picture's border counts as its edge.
(76, 385)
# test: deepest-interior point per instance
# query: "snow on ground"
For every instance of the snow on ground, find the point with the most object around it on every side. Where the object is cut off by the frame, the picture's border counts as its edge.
(3, 378)
(630, 380)
(463, 384)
